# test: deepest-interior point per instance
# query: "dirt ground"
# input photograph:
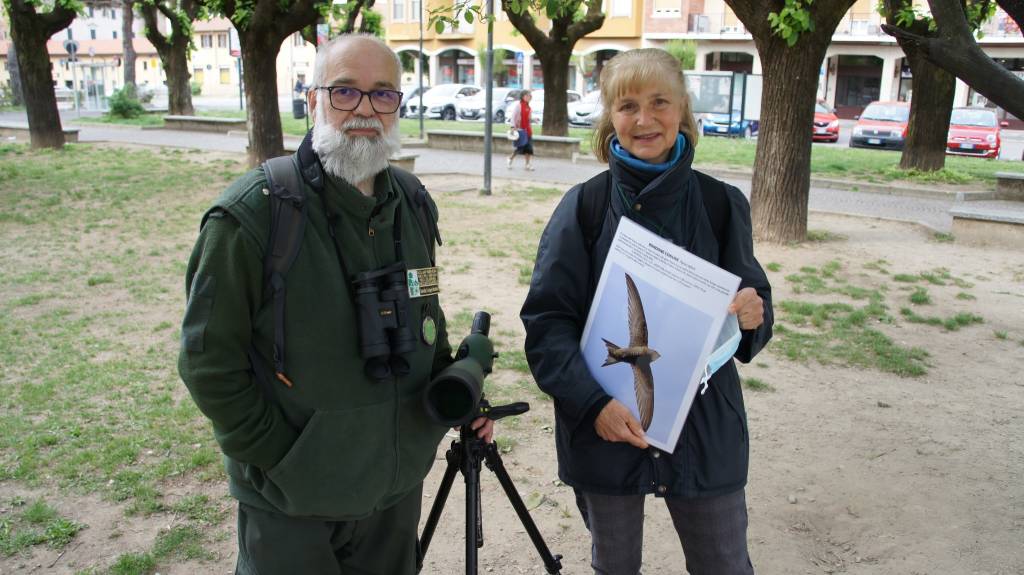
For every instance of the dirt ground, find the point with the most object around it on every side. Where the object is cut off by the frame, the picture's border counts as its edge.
(853, 470)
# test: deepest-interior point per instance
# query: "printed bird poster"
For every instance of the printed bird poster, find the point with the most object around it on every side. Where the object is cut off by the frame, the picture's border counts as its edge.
(656, 315)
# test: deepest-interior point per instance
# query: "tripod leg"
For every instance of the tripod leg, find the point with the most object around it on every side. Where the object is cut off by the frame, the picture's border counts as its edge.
(552, 563)
(454, 458)
(471, 470)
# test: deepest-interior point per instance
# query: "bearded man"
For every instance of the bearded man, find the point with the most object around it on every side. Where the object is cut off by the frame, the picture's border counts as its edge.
(325, 449)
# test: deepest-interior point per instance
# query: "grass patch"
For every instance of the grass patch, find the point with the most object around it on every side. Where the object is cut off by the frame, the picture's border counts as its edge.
(943, 237)
(773, 266)
(754, 384)
(965, 296)
(36, 524)
(92, 402)
(820, 236)
(174, 545)
(920, 297)
(1000, 335)
(951, 323)
(840, 332)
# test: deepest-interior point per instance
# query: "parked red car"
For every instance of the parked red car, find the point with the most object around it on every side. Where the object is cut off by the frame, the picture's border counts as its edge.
(826, 124)
(974, 132)
(881, 125)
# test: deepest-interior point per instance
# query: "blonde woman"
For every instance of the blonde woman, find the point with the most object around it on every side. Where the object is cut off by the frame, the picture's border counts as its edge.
(647, 135)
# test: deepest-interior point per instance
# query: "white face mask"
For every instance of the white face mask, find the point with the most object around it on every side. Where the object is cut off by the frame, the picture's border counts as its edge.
(725, 347)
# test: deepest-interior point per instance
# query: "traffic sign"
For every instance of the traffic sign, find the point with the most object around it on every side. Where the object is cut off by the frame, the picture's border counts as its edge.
(71, 47)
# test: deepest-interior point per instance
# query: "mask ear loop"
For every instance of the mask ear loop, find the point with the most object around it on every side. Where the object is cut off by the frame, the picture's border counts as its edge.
(705, 380)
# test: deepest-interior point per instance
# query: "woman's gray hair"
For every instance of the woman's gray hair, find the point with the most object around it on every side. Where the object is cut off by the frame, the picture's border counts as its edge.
(324, 53)
(629, 71)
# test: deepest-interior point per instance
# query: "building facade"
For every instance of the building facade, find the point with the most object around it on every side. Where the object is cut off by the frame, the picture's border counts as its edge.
(863, 64)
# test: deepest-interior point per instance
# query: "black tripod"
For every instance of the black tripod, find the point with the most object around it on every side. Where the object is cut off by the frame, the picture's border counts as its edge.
(465, 455)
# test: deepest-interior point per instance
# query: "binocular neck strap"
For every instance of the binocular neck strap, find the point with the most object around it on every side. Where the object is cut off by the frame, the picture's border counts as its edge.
(332, 220)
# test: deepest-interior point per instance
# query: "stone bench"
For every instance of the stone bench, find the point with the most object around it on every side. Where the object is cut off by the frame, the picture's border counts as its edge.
(1010, 186)
(543, 146)
(203, 124)
(403, 160)
(983, 227)
(20, 131)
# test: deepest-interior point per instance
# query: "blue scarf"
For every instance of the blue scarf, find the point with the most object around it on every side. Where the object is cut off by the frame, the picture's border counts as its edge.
(632, 161)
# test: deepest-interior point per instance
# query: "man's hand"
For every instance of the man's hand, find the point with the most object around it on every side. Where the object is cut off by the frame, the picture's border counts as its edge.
(748, 307)
(484, 428)
(616, 423)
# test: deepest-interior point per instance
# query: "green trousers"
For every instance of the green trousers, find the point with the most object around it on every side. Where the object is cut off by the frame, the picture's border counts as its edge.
(382, 544)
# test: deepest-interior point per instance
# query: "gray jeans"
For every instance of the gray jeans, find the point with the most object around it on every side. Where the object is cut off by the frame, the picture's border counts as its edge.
(712, 530)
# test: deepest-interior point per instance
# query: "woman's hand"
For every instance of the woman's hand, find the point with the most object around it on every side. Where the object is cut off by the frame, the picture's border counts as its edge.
(748, 307)
(484, 428)
(616, 423)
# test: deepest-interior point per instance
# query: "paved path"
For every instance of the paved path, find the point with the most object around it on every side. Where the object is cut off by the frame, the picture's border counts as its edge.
(933, 213)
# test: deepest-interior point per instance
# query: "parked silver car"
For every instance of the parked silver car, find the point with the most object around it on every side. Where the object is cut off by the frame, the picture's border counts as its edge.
(475, 107)
(537, 103)
(585, 112)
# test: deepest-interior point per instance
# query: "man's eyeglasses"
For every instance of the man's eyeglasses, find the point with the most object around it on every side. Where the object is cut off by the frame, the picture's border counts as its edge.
(345, 99)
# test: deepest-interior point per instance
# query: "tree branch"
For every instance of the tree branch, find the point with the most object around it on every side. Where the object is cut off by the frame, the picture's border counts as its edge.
(527, 26)
(149, 11)
(593, 20)
(962, 57)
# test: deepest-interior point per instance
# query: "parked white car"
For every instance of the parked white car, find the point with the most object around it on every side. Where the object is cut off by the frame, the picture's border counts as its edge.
(585, 112)
(438, 103)
(475, 107)
(537, 104)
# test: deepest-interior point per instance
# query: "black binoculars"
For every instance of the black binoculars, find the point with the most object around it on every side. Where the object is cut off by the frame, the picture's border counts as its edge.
(382, 302)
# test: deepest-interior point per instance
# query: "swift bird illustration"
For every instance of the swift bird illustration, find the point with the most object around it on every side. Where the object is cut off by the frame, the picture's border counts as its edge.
(637, 355)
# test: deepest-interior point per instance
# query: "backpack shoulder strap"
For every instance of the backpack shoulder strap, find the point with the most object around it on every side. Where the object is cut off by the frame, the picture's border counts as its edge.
(592, 206)
(596, 192)
(426, 210)
(716, 205)
(288, 216)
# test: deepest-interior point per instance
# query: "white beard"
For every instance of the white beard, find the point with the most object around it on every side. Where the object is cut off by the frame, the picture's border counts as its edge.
(354, 159)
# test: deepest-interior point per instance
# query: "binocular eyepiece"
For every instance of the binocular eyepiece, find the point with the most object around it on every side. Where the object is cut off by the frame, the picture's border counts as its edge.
(453, 398)
(382, 302)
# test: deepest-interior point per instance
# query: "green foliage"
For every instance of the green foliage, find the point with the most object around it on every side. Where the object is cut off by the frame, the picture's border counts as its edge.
(195, 87)
(909, 16)
(793, 20)
(373, 22)
(124, 103)
(683, 50)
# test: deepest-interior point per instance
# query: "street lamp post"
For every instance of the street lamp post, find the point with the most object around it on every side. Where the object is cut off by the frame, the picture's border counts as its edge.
(419, 66)
(489, 97)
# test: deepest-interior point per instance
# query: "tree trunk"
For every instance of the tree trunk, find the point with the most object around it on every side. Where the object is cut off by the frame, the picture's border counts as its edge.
(930, 107)
(173, 52)
(12, 66)
(259, 59)
(554, 64)
(179, 92)
(127, 20)
(45, 130)
(782, 167)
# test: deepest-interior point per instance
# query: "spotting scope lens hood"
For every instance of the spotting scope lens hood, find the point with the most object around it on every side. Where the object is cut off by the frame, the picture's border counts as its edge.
(453, 397)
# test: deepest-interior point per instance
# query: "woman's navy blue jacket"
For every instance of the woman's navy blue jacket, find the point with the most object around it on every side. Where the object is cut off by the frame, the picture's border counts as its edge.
(712, 453)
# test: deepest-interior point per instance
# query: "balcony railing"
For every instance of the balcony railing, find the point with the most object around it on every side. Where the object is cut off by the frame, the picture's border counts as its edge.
(721, 23)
